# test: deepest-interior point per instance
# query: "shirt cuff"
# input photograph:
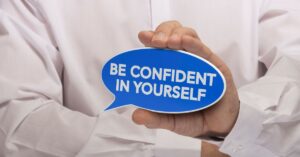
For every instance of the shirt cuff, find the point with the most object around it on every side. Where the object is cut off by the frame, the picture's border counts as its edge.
(169, 144)
(243, 138)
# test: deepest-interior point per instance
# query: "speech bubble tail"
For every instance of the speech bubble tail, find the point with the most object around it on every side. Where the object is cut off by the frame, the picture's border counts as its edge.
(114, 105)
(109, 108)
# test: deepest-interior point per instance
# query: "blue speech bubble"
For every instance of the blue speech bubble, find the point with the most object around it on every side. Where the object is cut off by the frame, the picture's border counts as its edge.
(163, 80)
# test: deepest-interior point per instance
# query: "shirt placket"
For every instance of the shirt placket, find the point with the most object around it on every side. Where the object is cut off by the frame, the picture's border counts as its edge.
(160, 12)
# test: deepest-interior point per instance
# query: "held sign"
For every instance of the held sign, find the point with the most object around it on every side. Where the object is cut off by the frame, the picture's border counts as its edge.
(163, 80)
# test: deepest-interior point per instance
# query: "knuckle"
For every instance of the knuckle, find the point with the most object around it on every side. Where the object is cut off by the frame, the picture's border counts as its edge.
(191, 31)
(175, 22)
(171, 23)
(186, 31)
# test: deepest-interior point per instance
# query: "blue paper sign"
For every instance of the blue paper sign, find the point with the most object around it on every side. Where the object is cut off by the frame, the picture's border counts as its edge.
(163, 80)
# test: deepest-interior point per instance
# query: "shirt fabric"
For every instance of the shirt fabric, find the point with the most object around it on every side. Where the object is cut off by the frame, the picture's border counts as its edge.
(52, 97)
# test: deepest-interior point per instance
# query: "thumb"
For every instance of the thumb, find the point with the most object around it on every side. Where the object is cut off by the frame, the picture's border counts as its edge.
(154, 120)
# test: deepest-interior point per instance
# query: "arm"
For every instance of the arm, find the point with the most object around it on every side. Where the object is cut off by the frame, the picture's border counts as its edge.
(33, 118)
(269, 121)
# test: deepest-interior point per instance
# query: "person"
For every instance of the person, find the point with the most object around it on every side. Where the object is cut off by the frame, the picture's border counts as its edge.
(52, 98)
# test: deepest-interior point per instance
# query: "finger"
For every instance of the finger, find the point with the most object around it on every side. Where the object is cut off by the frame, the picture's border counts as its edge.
(145, 37)
(174, 41)
(196, 47)
(153, 120)
(163, 32)
(186, 124)
(190, 124)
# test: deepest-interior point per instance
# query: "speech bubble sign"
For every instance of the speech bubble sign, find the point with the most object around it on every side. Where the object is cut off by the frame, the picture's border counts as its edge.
(163, 81)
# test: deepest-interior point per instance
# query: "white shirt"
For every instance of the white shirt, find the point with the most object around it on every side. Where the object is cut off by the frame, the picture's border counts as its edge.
(52, 97)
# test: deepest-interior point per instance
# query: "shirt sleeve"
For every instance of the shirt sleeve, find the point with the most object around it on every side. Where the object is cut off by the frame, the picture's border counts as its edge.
(269, 120)
(169, 144)
(33, 119)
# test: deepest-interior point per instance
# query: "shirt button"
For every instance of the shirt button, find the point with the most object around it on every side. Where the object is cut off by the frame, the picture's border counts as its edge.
(238, 148)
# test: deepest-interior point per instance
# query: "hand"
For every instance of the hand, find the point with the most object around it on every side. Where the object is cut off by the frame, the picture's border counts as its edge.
(210, 150)
(217, 120)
